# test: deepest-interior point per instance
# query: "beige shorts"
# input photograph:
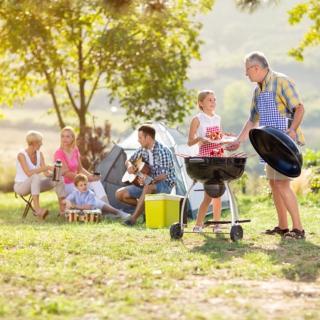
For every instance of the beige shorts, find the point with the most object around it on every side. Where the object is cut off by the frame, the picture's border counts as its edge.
(274, 175)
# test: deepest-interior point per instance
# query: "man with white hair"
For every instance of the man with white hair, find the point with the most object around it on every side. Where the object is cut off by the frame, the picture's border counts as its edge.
(275, 103)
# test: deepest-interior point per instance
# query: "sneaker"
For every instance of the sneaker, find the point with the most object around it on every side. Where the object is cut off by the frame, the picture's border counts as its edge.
(123, 215)
(120, 215)
(129, 222)
(276, 230)
(295, 234)
(197, 229)
(217, 228)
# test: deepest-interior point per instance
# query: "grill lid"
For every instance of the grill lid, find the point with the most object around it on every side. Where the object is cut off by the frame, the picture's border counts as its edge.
(277, 149)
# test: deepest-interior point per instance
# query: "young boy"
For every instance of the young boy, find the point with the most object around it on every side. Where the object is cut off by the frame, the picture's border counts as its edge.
(82, 198)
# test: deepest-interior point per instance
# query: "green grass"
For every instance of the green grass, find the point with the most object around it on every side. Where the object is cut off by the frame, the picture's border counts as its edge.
(56, 270)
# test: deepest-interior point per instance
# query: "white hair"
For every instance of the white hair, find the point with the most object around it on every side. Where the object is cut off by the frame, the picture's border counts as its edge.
(258, 58)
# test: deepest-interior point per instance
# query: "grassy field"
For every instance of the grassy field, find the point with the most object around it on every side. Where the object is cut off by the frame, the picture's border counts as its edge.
(55, 270)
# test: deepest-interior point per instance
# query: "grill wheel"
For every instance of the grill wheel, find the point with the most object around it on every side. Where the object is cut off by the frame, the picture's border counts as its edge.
(236, 233)
(176, 231)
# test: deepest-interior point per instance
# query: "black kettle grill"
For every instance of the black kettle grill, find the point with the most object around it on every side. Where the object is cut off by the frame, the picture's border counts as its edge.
(215, 173)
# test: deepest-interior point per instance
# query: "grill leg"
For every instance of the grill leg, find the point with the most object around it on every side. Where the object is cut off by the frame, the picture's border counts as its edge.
(233, 205)
(184, 203)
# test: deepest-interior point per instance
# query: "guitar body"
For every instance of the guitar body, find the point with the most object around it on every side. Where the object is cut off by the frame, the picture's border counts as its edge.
(142, 170)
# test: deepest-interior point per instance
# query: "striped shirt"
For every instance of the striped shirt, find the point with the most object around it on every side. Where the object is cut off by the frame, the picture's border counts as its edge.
(162, 161)
(286, 97)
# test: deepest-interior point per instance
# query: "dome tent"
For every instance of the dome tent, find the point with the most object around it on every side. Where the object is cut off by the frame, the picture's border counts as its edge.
(112, 167)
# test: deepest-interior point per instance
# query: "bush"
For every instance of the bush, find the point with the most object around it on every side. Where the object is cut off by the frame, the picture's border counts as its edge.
(315, 184)
(311, 158)
(93, 145)
(7, 175)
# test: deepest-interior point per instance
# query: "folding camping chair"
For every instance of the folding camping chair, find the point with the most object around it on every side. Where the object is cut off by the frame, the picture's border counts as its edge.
(28, 206)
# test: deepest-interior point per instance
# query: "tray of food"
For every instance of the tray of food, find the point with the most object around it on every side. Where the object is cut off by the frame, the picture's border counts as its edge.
(220, 138)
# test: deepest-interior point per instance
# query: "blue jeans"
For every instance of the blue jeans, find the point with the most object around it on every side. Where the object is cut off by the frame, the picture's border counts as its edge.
(161, 187)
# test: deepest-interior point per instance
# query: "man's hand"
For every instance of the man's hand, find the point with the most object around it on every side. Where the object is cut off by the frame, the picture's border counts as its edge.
(292, 134)
(232, 146)
(160, 177)
(141, 179)
(131, 169)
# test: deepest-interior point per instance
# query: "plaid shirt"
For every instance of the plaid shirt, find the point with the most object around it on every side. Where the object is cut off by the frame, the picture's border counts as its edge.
(286, 97)
(162, 161)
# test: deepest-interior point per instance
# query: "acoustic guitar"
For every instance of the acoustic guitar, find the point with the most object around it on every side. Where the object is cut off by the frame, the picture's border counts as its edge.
(142, 170)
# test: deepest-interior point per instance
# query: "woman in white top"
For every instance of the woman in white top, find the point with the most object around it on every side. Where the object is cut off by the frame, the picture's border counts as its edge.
(30, 164)
(205, 124)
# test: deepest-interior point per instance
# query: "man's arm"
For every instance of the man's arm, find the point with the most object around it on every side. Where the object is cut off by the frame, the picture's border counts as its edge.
(129, 165)
(243, 135)
(166, 164)
(159, 178)
(297, 119)
(292, 101)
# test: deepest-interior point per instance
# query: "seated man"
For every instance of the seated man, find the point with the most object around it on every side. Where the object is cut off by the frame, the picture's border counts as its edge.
(162, 172)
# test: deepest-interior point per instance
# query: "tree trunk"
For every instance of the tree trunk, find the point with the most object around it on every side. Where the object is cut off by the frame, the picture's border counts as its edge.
(82, 123)
(56, 105)
(83, 109)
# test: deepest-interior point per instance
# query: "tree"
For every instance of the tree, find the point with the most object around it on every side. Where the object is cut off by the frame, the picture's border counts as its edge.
(310, 9)
(139, 50)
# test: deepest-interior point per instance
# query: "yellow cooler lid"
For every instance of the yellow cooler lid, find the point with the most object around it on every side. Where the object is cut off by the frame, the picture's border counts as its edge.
(162, 196)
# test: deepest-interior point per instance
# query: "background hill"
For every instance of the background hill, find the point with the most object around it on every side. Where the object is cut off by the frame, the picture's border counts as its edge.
(228, 35)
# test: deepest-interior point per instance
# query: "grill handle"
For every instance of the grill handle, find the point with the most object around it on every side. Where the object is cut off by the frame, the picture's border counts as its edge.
(196, 160)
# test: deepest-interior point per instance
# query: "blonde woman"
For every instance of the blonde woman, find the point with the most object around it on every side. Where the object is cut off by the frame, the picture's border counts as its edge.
(33, 175)
(69, 154)
(203, 127)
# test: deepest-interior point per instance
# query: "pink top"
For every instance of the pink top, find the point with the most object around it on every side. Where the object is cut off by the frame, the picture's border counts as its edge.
(71, 163)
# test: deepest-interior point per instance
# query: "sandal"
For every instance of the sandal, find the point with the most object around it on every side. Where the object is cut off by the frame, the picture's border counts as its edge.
(197, 229)
(295, 234)
(276, 230)
(44, 214)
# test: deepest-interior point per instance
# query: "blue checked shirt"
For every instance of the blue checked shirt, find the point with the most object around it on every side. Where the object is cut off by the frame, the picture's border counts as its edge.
(162, 161)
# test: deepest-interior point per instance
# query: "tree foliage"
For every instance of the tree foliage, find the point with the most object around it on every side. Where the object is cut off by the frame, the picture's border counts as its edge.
(253, 5)
(138, 50)
(311, 10)
(306, 9)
